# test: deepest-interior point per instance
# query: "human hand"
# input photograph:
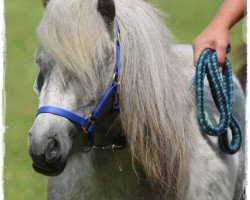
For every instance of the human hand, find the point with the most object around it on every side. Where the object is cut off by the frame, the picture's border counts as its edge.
(216, 37)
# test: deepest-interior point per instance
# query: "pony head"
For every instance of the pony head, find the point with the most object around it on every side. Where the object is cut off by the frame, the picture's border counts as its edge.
(75, 62)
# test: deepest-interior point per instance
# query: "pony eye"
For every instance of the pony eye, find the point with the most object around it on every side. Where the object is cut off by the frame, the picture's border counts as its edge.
(39, 81)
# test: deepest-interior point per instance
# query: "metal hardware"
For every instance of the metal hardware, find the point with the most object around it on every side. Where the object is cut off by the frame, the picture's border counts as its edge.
(89, 123)
(109, 147)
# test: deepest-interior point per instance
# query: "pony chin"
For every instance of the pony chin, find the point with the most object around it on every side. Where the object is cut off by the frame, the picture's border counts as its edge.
(49, 172)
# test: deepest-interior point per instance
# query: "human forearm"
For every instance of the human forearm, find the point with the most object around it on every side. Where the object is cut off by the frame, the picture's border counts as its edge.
(230, 13)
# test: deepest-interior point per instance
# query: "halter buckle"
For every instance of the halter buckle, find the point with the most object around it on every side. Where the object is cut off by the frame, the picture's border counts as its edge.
(90, 123)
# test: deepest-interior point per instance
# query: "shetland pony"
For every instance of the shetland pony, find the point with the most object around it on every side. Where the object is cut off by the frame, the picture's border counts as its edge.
(166, 156)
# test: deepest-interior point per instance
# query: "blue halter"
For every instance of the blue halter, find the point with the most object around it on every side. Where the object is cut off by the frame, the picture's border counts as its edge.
(222, 89)
(87, 123)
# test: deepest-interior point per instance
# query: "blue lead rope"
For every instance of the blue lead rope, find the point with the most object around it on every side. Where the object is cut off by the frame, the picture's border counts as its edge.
(222, 90)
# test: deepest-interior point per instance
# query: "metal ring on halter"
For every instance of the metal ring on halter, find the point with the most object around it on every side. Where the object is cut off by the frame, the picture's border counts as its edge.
(118, 35)
(89, 123)
(115, 78)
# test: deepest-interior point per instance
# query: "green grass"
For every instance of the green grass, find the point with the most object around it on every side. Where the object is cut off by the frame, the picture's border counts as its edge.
(20, 181)
(187, 18)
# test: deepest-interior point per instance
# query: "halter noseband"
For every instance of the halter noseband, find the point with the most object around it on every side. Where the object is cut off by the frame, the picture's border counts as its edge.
(87, 123)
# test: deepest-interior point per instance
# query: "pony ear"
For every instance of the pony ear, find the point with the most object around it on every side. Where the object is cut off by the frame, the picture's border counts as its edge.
(45, 2)
(107, 9)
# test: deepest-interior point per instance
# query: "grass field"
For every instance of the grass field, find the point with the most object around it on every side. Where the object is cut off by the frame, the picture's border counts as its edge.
(186, 20)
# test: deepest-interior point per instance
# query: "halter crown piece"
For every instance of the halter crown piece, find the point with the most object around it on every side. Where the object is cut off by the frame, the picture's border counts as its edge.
(222, 90)
(87, 123)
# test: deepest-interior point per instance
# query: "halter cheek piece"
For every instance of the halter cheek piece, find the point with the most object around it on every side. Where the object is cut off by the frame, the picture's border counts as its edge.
(87, 123)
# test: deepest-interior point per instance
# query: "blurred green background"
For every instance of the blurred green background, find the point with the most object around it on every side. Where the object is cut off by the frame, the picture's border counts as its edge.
(187, 18)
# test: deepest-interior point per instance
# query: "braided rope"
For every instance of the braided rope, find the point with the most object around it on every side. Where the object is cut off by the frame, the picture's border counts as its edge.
(222, 90)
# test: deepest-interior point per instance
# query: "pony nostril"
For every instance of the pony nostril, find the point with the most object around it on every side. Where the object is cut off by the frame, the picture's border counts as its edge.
(52, 151)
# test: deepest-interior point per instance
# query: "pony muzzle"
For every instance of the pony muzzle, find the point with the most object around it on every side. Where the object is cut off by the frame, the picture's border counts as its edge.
(47, 155)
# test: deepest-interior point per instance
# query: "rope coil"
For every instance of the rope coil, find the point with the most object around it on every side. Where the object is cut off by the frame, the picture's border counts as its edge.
(222, 90)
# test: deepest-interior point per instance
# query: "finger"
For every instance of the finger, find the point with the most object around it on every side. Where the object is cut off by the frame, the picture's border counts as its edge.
(220, 69)
(197, 52)
(221, 55)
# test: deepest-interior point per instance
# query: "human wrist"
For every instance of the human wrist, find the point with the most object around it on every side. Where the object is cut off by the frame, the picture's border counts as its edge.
(220, 23)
